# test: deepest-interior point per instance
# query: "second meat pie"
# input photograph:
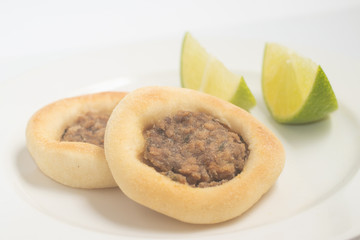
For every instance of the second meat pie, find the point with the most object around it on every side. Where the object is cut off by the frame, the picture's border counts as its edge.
(66, 139)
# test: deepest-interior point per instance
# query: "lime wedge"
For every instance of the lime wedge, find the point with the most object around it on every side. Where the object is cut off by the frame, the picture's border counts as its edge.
(295, 89)
(203, 72)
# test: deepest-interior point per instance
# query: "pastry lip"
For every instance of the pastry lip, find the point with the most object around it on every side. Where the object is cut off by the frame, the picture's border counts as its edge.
(75, 164)
(146, 186)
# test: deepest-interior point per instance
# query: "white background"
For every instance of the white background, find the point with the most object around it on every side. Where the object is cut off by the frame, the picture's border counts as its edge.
(33, 32)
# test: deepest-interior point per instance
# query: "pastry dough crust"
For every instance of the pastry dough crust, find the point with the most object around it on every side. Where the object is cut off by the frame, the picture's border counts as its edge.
(124, 145)
(75, 164)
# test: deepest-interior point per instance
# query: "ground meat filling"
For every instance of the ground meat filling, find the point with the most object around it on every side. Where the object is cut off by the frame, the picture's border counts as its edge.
(194, 148)
(89, 128)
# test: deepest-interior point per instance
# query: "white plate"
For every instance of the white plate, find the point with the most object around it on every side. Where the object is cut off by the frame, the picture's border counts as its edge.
(316, 196)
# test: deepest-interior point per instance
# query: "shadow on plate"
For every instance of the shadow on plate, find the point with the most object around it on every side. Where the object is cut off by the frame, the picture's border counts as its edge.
(300, 134)
(109, 205)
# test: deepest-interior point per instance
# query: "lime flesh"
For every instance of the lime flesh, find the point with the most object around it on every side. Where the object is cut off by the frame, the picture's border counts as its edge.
(295, 89)
(203, 72)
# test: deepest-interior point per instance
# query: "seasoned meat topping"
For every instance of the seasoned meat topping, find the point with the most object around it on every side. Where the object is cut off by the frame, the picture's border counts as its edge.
(89, 128)
(194, 148)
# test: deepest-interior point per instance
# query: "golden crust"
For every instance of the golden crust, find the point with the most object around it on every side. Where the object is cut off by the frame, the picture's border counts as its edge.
(75, 164)
(124, 143)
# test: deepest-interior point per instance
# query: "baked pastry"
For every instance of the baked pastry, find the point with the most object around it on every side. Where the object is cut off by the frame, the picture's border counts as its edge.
(190, 155)
(65, 139)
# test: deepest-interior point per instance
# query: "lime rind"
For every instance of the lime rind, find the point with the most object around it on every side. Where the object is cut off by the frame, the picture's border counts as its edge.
(323, 95)
(243, 96)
